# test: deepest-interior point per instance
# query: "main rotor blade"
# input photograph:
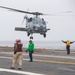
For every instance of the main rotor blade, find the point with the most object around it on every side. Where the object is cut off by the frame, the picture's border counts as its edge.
(34, 13)
(60, 13)
(15, 10)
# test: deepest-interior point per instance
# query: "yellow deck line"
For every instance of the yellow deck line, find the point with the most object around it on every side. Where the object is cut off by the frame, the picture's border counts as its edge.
(49, 61)
(56, 62)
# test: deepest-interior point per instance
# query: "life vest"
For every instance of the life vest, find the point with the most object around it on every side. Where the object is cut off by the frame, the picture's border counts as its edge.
(18, 47)
(68, 43)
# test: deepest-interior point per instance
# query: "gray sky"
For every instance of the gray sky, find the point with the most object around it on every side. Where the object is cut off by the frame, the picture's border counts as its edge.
(62, 27)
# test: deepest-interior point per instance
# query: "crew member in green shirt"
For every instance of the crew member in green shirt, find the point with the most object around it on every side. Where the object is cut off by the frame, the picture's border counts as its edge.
(30, 49)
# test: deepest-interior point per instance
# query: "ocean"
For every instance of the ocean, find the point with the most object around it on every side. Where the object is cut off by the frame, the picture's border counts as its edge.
(57, 45)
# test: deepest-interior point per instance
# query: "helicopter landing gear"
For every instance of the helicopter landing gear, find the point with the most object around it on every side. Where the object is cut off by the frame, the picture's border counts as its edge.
(44, 35)
(28, 34)
(31, 37)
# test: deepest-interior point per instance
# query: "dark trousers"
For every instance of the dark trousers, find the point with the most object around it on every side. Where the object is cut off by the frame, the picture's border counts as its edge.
(68, 49)
(30, 55)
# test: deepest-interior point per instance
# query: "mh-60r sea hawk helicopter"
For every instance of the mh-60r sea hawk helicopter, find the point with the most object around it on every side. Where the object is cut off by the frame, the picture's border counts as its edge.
(33, 24)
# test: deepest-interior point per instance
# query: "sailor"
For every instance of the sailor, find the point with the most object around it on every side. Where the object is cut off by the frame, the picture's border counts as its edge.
(17, 54)
(30, 49)
(68, 45)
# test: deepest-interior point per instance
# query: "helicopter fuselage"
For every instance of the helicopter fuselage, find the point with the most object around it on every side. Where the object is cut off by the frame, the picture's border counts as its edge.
(36, 25)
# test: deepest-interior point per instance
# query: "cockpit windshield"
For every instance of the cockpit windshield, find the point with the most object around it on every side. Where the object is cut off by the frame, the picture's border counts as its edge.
(39, 22)
(35, 21)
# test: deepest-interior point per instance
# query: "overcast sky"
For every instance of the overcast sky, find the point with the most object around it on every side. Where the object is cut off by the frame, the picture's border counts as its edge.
(62, 27)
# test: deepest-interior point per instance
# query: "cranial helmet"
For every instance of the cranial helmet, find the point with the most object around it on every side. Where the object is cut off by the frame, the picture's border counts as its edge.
(18, 40)
(67, 40)
(30, 40)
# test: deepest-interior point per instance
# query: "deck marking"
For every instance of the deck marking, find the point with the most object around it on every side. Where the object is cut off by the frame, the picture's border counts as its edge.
(18, 72)
(53, 56)
(49, 61)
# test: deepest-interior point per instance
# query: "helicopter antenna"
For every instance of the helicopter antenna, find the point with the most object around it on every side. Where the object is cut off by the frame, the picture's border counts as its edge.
(27, 11)
(22, 21)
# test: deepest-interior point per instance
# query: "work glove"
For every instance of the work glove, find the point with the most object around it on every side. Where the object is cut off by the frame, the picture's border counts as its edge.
(26, 50)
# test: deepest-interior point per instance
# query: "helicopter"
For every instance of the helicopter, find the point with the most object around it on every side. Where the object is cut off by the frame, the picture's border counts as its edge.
(33, 24)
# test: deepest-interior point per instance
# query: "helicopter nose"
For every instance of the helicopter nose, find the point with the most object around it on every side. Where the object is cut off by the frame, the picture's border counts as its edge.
(34, 27)
(41, 28)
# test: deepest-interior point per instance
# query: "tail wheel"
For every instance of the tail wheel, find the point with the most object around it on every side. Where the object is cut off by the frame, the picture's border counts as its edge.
(31, 37)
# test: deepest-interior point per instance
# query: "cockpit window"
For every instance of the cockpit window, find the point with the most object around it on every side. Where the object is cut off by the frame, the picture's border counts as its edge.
(35, 21)
(30, 19)
(43, 22)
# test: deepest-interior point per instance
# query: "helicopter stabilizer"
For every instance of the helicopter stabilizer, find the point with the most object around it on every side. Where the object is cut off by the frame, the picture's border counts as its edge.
(48, 29)
(20, 29)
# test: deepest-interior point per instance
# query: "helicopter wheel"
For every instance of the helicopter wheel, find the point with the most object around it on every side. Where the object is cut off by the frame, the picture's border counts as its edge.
(44, 35)
(28, 34)
(31, 37)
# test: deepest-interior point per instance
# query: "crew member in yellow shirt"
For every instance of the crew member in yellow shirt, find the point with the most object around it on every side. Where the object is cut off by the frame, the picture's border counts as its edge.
(68, 45)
